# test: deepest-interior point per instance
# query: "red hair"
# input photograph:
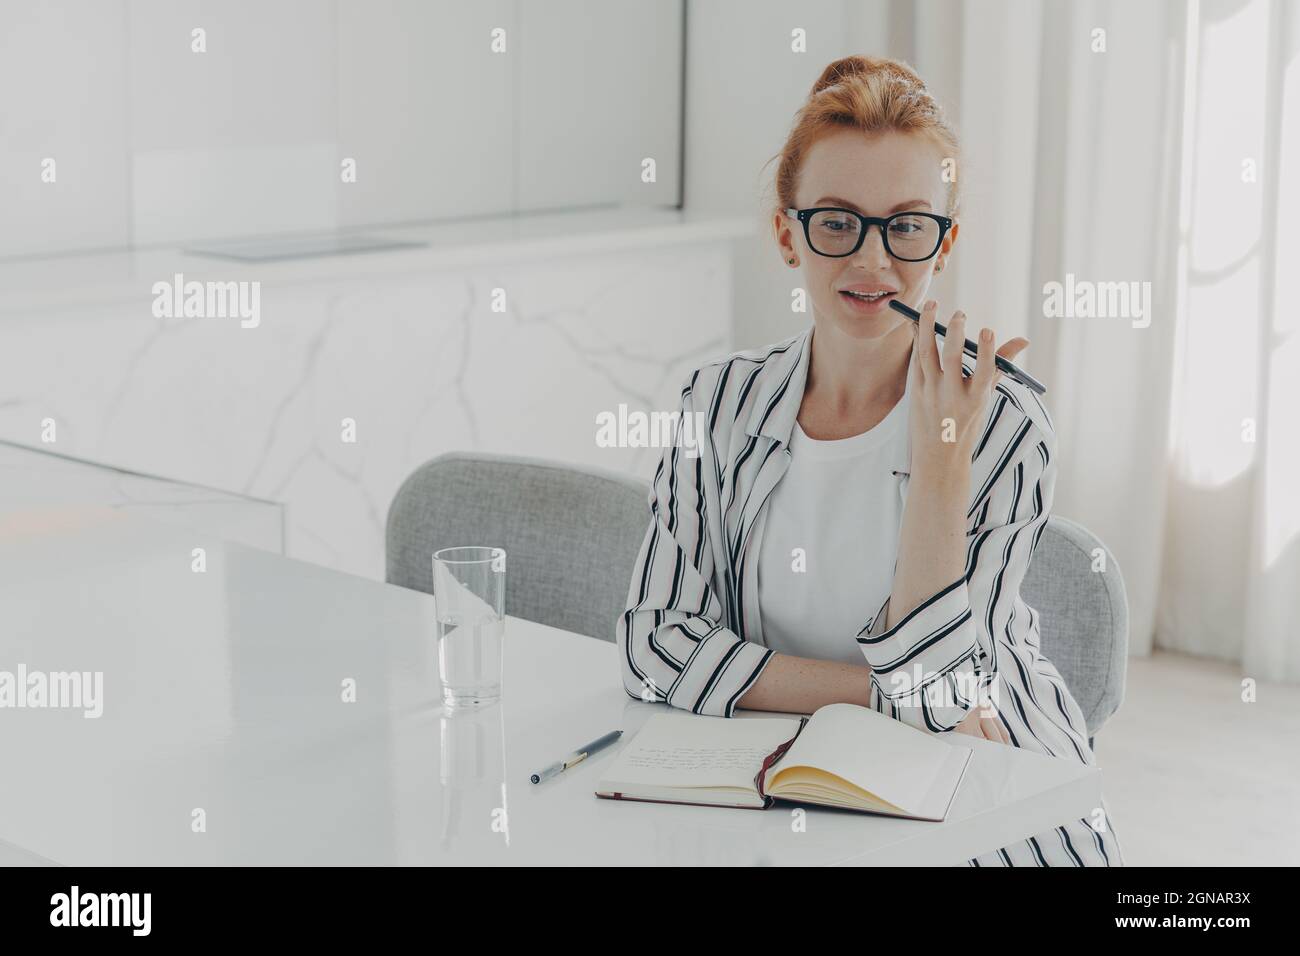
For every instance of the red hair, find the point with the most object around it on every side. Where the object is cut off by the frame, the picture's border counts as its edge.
(871, 95)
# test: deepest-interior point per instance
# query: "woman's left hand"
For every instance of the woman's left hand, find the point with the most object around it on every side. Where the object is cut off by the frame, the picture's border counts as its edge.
(981, 722)
(947, 407)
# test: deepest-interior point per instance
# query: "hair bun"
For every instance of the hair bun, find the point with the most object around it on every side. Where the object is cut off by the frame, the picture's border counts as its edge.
(857, 65)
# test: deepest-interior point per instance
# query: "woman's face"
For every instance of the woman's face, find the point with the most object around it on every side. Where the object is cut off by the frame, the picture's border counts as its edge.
(876, 175)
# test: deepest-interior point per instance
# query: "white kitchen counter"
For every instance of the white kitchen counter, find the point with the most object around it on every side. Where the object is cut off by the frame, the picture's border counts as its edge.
(55, 282)
(500, 336)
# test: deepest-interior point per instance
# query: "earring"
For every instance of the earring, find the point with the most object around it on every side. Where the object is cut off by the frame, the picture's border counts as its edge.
(791, 261)
(939, 267)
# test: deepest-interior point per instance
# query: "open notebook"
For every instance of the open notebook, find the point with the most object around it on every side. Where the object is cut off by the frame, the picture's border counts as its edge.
(842, 756)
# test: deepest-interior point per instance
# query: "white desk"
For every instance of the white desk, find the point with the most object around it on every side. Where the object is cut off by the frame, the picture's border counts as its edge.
(222, 691)
(35, 477)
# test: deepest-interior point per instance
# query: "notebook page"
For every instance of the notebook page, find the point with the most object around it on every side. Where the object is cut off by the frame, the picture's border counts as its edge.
(687, 750)
(881, 755)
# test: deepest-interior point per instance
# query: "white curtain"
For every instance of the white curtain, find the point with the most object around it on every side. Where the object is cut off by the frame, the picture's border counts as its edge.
(1146, 143)
(1231, 581)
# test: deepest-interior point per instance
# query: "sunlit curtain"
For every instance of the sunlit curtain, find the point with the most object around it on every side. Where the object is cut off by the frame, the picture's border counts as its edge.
(1231, 581)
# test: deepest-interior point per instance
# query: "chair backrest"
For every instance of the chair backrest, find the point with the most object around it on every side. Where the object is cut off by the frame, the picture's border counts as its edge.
(1082, 616)
(570, 535)
(560, 525)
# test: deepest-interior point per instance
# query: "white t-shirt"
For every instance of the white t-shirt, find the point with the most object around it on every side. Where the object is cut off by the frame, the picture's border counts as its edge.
(839, 503)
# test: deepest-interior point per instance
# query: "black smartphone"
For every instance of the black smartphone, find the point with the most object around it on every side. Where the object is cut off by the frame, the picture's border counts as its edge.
(971, 349)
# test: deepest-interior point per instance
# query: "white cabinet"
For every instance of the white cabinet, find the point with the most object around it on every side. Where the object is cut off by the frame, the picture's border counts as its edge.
(157, 143)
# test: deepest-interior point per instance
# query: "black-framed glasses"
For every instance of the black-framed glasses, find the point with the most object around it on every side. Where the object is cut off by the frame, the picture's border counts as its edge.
(835, 232)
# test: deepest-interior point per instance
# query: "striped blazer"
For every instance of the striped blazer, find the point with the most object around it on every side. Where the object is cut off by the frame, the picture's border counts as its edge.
(692, 635)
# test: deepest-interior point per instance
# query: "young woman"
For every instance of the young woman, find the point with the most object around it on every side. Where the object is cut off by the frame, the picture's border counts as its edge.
(863, 504)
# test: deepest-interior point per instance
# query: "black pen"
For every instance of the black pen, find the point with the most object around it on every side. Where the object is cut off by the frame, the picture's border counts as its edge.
(971, 349)
(577, 757)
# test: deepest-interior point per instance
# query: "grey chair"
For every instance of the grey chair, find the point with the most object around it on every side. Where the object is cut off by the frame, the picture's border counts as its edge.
(570, 536)
(1082, 617)
(561, 525)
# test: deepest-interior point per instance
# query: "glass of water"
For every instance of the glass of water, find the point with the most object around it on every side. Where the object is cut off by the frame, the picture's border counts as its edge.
(469, 588)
